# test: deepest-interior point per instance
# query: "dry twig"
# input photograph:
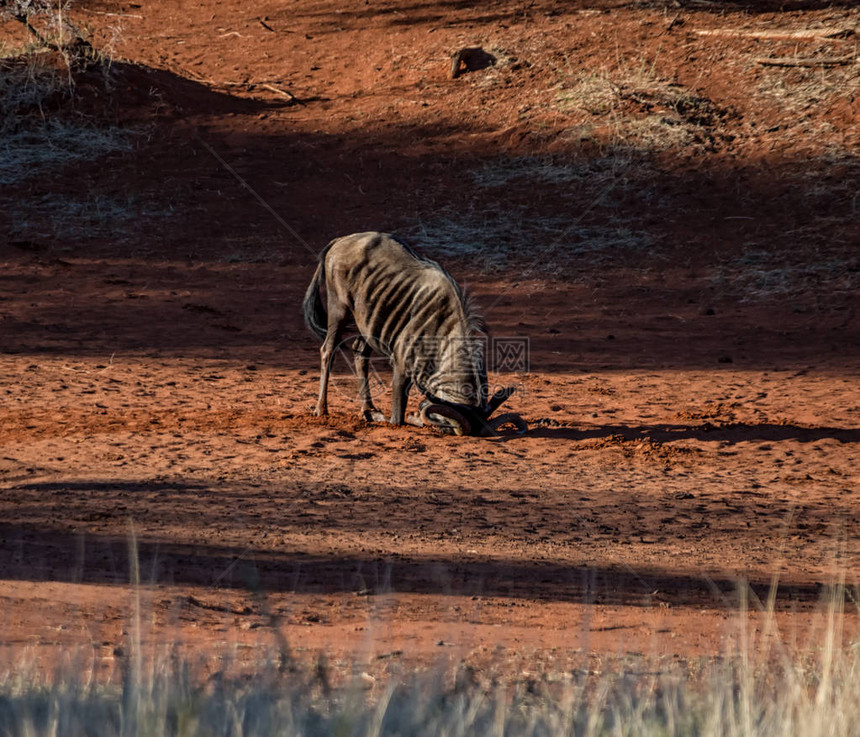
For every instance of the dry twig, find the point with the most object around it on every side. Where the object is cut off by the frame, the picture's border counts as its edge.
(676, 21)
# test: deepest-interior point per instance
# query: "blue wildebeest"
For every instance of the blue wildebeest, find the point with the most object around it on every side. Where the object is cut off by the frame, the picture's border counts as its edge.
(409, 309)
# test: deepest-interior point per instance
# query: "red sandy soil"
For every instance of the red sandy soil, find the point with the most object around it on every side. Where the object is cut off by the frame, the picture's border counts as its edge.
(693, 428)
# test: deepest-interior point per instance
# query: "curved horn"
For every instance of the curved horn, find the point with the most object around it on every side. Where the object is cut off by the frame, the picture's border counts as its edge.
(509, 418)
(459, 424)
(500, 396)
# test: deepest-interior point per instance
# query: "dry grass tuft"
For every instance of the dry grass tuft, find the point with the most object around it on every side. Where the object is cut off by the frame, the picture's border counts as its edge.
(762, 275)
(634, 106)
(531, 243)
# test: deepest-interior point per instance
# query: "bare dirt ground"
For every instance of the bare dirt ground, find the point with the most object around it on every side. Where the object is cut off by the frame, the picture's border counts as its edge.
(662, 198)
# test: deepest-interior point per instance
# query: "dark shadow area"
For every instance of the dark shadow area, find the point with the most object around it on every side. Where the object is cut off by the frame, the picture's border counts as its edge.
(34, 555)
(121, 91)
(136, 85)
(241, 535)
(722, 432)
(56, 305)
(174, 254)
(155, 308)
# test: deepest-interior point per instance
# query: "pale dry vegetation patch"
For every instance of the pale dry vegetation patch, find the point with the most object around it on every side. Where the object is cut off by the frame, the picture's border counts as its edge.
(758, 688)
(798, 89)
(521, 239)
(66, 217)
(506, 225)
(44, 129)
(759, 274)
(634, 106)
(37, 149)
(40, 127)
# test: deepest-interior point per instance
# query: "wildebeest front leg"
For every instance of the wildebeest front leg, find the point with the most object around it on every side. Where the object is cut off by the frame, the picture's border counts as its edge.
(362, 356)
(400, 384)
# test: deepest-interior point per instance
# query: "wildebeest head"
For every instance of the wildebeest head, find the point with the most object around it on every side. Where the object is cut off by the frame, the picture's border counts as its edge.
(457, 396)
(463, 419)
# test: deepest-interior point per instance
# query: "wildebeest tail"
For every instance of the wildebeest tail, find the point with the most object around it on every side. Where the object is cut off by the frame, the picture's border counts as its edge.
(316, 317)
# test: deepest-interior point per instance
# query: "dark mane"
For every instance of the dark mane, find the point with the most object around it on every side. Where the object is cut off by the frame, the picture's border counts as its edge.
(474, 319)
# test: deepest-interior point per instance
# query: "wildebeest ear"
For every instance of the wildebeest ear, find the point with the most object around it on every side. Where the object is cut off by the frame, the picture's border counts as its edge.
(498, 398)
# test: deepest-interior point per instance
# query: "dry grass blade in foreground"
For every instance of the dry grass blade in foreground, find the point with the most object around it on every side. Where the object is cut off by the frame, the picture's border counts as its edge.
(760, 690)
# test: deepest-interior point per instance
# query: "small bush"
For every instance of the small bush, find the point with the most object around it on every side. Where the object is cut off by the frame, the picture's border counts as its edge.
(40, 125)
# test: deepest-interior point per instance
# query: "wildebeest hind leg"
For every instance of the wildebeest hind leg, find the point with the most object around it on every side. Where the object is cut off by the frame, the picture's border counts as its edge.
(336, 315)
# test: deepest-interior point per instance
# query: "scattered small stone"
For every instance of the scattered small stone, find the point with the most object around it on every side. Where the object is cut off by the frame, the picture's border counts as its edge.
(470, 60)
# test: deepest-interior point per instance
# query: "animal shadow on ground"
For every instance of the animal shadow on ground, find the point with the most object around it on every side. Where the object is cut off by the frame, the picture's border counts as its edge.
(735, 432)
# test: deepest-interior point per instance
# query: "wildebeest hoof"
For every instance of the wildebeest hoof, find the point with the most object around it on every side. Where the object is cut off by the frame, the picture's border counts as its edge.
(373, 415)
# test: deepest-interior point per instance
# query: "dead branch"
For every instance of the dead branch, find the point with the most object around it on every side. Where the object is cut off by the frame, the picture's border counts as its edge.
(78, 50)
(285, 93)
(115, 15)
(25, 20)
(248, 85)
(791, 61)
(833, 34)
